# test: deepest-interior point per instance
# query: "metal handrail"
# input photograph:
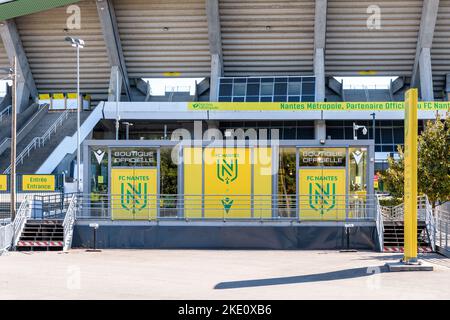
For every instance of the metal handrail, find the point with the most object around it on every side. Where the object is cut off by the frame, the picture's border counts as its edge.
(442, 222)
(6, 234)
(430, 223)
(380, 225)
(5, 112)
(38, 142)
(22, 215)
(245, 207)
(69, 222)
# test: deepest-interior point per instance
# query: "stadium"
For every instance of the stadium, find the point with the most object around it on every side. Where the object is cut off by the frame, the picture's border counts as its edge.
(262, 136)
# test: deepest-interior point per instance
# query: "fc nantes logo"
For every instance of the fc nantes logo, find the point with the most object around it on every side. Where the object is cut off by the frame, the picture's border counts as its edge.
(227, 170)
(322, 196)
(133, 196)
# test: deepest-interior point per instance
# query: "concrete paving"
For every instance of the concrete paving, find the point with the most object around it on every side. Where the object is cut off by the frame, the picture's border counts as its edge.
(212, 274)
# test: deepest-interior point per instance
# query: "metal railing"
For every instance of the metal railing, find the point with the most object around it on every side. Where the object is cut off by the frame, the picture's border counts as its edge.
(6, 237)
(396, 213)
(69, 222)
(442, 235)
(51, 206)
(38, 142)
(429, 221)
(22, 215)
(380, 225)
(5, 112)
(227, 208)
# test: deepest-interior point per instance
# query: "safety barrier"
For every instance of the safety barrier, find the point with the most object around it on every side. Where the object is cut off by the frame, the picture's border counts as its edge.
(226, 207)
(6, 236)
(380, 225)
(69, 222)
(442, 235)
(22, 215)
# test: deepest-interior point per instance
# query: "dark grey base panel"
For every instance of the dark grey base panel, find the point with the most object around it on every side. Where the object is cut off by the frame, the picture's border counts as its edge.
(224, 237)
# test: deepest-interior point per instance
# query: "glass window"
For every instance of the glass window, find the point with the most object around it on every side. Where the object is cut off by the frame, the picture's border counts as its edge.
(253, 89)
(280, 89)
(168, 184)
(266, 89)
(294, 98)
(225, 90)
(305, 133)
(252, 99)
(308, 98)
(386, 135)
(99, 180)
(287, 183)
(357, 170)
(279, 99)
(294, 88)
(308, 88)
(239, 89)
(335, 133)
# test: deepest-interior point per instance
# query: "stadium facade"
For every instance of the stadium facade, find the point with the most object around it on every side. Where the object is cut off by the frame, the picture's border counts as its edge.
(271, 151)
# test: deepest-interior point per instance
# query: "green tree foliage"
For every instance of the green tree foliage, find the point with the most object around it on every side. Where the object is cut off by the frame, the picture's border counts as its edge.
(434, 160)
(394, 176)
(433, 164)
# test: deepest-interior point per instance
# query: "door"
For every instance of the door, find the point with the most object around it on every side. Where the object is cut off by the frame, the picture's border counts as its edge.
(322, 184)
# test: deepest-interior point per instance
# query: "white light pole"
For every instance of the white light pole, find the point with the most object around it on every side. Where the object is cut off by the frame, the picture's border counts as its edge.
(77, 43)
(117, 105)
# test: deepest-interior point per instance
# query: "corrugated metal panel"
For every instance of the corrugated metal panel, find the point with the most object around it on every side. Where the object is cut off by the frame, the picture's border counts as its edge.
(261, 37)
(440, 52)
(351, 47)
(160, 36)
(53, 61)
(4, 62)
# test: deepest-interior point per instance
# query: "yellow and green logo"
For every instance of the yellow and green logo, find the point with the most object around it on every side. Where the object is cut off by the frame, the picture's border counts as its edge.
(133, 196)
(227, 171)
(322, 196)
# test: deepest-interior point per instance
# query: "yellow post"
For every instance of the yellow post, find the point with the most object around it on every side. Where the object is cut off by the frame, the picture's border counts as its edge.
(410, 184)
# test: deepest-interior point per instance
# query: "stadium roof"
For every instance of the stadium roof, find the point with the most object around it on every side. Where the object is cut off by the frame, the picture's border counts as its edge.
(161, 38)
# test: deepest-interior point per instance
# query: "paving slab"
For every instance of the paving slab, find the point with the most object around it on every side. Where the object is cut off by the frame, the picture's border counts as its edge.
(217, 274)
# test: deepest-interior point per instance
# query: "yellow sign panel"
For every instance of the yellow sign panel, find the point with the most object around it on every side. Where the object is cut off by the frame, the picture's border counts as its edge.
(227, 182)
(134, 193)
(314, 106)
(192, 166)
(3, 182)
(38, 182)
(410, 184)
(227, 174)
(322, 194)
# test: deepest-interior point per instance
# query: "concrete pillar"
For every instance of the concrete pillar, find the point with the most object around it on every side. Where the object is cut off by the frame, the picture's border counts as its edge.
(320, 130)
(426, 78)
(216, 73)
(112, 91)
(215, 46)
(319, 72)
(320, 26)
(26, 87)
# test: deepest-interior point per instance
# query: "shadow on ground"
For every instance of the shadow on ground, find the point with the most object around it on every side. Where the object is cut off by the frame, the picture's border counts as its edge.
(319, 277)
